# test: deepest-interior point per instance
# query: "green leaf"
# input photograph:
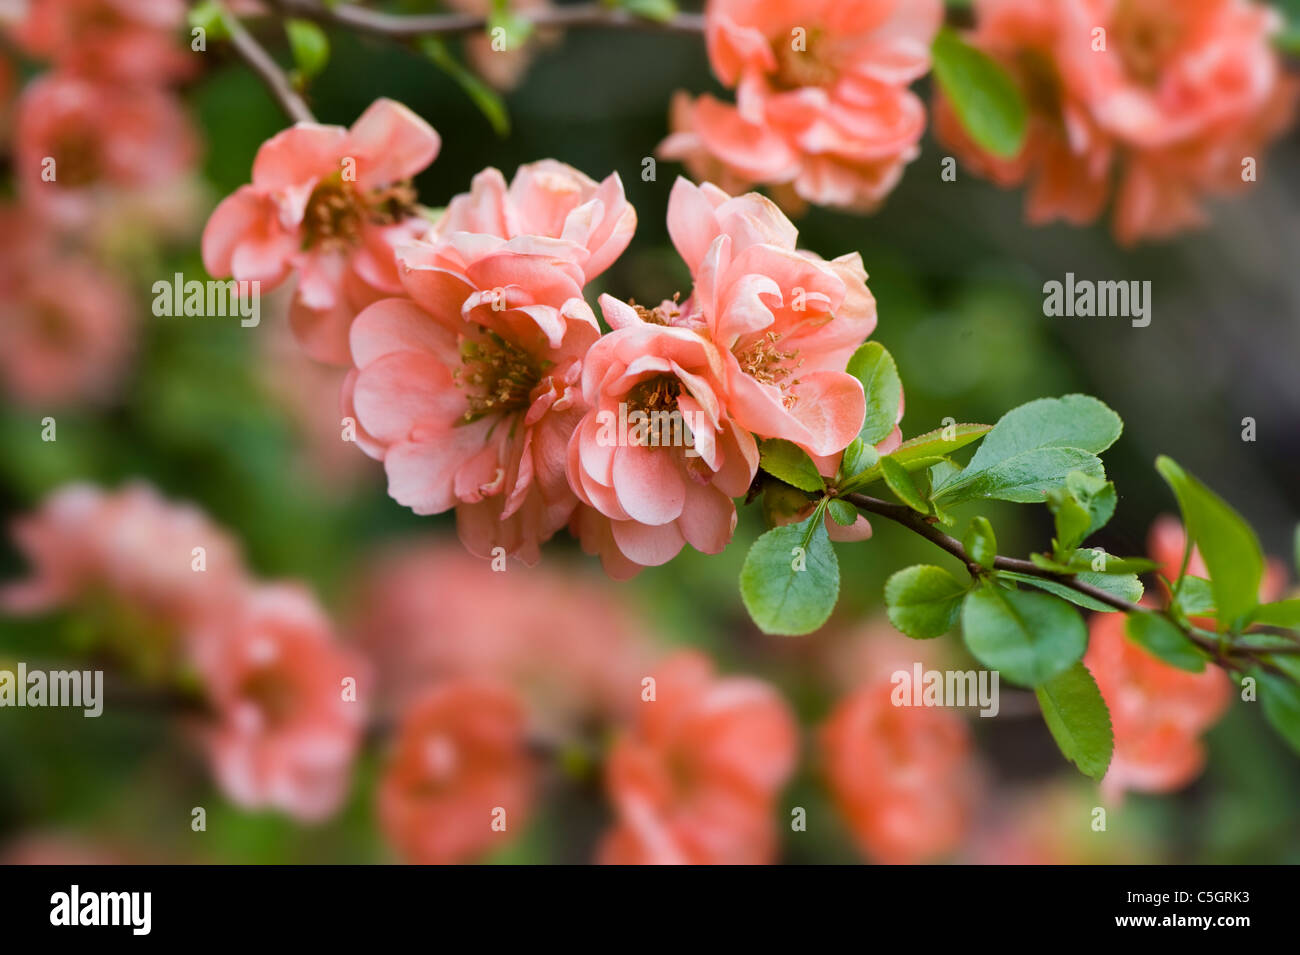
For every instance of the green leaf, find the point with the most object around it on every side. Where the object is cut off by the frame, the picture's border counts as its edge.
(208, 16)
(660, 11)
(924, 451)
(1080, 508)
(309, 45)
(1284, 613)
(1029, 636)
(790, 463)
(1193, 597)
(874, 367)
(1078, 719)
(790, 579)
(901, 483)
(983, 95)
(482, 95)
(1035, 448)
(1094, 560)
(842, 512)
(1281, 699)
(980, 542)
(857, 458)
(1127, 587)
(1024, 478)
(923, 601)
(1227, 544)
(1296, 548)
(1161, 638)
(517, 28)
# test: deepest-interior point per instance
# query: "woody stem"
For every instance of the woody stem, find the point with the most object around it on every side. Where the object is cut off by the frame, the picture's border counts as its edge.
(261, 63)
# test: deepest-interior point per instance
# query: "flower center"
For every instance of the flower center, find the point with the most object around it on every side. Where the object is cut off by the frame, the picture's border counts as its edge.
(272, 695)
(802, 60)
(1145, 38)
(498, 376)
(337, 210)
(764, 361)
(665, 313)
(1041, 82)
(77, 160)
(654, 395)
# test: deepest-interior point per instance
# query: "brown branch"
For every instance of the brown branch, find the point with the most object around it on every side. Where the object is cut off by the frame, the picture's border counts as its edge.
(261, 63)
(397, 26)
(920, 524)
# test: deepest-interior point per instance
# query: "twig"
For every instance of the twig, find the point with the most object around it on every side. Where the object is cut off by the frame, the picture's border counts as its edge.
(919, 524)
(577, 16)
(261, 63)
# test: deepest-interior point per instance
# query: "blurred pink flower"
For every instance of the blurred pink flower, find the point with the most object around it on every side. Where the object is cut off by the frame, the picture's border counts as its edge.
(118, 41)
(900, 775)
(821, 95)
(66, 329)
(285, 728)
(77, 141)
(461, 779)
(696, 778)
(329, 204)
(655, 492)
(131, 545)
(1157, 711)
(1167, 100)
(569, 646)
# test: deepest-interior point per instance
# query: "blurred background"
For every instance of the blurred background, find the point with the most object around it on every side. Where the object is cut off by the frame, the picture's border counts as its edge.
(238, 422)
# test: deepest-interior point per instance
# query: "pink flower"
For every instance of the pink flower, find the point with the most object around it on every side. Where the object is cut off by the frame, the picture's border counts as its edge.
(1067, 158)
(696, 779)
(573, 649)
(821, 95)
(328, 204)
(461, 778)
(121, 41)
(1157, 711)
(285, 728)
(1168, 100)
(468, 391)
(66, 327)
(131, 545)
(787, 320)
(77, 141)
(656, 488)
(899, 775)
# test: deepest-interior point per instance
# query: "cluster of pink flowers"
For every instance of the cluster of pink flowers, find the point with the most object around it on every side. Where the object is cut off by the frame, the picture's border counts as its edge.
(480, 374)
(283, 714)
(1151, 104)
(823, 111)
(99, 138)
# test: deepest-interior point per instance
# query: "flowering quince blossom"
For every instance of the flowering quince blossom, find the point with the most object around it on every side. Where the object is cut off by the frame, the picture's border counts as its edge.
(468, 390)
(330, 205)
(1169, 108)
(65, 323)
(131, 41)
(102, 138)
(695, 780)
(822, 99)
(461, 756)
(899, 774)
(283, 734)
(131, 544)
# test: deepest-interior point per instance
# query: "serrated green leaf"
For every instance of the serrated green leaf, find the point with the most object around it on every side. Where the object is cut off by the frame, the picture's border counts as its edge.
(984, 97)
(1023, 478)
(874, 367)
(790, 463)
(923, 601)
(857, 458)
(1226, 542)
(1193, 597)
(901, 483)
(1078, 719)
(790, 579)
(842, 512)
(1072, 421)
(1094, 560)
(1161, 638)
(1028, 636)
(980, 543)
